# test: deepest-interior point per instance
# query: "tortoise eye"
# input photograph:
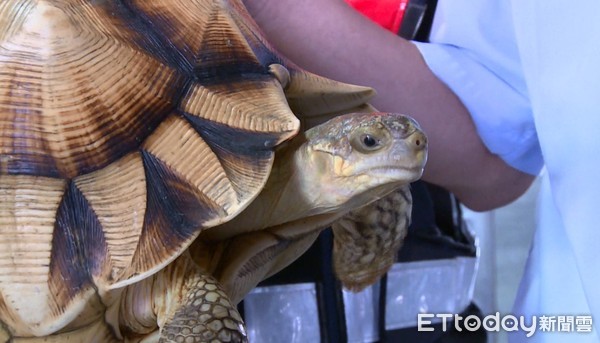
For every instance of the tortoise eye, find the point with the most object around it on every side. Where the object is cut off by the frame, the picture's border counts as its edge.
(369, 141)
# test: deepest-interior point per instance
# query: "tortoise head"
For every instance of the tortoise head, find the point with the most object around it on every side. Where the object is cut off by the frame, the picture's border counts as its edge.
(358, 158)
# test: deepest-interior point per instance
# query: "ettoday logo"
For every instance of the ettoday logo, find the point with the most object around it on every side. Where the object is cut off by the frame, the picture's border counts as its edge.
(496, 322)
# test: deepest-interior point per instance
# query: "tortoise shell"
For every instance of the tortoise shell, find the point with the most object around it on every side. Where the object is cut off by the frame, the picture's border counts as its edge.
(126, 128)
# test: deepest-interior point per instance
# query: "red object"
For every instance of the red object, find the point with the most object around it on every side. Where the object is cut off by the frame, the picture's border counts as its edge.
(387, 13)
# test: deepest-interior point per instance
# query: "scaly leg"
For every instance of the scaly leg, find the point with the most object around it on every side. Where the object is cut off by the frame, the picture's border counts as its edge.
(205, 315)
(367, 239)
(188, 305)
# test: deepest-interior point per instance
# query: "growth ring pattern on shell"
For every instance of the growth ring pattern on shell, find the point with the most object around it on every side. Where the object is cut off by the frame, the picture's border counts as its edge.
(125, 128)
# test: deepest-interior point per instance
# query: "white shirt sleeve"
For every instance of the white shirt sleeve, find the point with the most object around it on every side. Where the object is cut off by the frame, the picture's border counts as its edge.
(473, 50)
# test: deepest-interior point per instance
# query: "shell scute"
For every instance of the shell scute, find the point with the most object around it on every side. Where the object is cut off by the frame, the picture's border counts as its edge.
(78, 248)
(126, 128)
(225, 55)
(173, 218)
(76, 93)
(123, 183)
(36, 243)
(180, 23)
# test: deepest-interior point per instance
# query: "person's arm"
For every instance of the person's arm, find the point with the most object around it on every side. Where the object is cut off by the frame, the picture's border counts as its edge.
(329, 38)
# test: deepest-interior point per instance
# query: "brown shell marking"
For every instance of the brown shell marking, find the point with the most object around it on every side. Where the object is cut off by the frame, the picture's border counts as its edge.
(84, 84)
(76, 93)
(147, 120)
(29, 297)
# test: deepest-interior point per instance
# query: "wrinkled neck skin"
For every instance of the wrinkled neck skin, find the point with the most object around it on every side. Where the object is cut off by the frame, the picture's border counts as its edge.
(306, 192)
(302, 185)
(291, 192)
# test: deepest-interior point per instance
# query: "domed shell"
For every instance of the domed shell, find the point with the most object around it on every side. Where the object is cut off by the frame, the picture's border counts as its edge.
(126, 127)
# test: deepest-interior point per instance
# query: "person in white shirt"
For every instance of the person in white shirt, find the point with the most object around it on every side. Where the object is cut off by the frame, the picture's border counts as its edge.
(503, 89)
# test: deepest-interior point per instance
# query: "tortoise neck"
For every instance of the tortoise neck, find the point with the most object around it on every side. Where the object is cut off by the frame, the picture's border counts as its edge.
(290, 192)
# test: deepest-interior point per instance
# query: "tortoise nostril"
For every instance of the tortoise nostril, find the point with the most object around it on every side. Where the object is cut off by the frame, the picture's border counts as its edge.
(418, 140)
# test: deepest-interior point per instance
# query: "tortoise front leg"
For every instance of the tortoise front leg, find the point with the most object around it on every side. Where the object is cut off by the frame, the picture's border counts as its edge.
(186, 304)
(367, 239)
(204, 315)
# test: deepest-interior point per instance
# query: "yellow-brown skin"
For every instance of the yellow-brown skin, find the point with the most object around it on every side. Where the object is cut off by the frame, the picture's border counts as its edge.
(316, 180)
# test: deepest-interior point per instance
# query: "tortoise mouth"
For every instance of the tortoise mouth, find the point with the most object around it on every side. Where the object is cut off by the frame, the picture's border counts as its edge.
(395, 173)
(401, 166)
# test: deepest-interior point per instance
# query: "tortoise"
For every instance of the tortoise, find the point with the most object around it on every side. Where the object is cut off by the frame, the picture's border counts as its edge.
(137, 140)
